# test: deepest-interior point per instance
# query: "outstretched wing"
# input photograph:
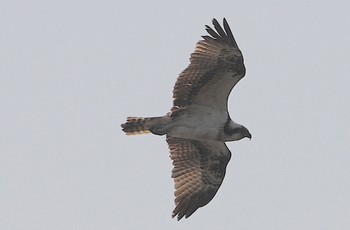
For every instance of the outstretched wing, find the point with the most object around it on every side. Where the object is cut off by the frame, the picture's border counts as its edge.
(216, 65)
(199, 169)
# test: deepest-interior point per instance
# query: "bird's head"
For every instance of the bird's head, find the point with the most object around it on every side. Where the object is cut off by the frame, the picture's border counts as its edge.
(235, 132)
(245, 132)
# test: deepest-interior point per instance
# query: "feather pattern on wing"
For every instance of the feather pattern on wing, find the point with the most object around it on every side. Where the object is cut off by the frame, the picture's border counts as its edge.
(216, 65)
(199, 169)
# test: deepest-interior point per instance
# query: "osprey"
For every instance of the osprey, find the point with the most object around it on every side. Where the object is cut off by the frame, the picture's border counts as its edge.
(199, 124)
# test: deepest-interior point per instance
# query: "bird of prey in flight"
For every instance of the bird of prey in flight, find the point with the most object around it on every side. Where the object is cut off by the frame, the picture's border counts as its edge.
(199, 124)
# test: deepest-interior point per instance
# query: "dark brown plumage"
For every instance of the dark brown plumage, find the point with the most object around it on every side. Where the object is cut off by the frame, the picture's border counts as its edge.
(199, 169)
(216, 63)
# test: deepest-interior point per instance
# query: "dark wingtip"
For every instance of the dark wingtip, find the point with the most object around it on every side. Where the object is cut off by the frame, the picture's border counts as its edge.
(225, 21)
(178, 214)
(223, 33)
(178, 218)
(214, 21)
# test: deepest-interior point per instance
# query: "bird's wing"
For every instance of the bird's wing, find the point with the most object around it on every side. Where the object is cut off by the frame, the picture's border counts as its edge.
(216, 65)
(199, 169)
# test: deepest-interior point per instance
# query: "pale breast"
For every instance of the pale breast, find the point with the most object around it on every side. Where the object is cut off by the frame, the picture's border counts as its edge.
(198, 122)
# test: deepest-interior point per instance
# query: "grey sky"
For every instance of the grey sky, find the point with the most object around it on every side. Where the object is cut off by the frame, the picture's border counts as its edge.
(71, 71)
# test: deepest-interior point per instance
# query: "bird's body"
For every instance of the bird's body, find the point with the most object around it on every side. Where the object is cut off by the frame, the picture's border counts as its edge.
(199, 124)
(191, 123)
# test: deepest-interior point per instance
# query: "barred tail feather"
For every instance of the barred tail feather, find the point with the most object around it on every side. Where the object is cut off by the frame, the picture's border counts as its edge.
(136, 125)
(143, 125)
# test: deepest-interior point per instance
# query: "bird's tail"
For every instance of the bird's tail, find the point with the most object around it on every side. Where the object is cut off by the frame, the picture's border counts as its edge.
(143, 125)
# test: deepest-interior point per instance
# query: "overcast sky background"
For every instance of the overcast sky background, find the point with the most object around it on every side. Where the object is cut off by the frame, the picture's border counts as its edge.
(72, 71)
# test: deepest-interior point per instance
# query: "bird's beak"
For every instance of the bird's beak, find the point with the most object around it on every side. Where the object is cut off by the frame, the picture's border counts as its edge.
(249, 136)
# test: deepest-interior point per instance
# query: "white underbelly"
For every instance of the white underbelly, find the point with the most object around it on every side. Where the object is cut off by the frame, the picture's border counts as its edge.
(199, 123)
(196, 133)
